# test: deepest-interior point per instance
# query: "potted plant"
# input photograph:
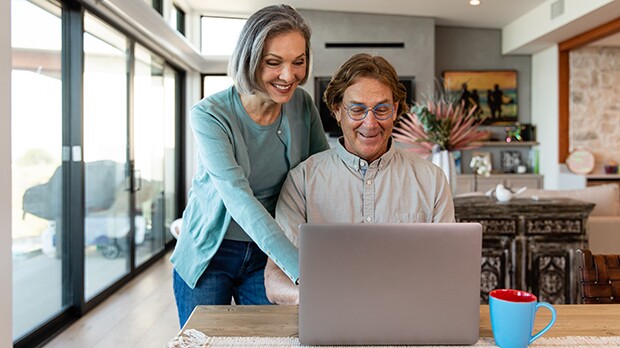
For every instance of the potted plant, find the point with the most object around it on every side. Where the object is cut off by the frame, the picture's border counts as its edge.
(439, 127)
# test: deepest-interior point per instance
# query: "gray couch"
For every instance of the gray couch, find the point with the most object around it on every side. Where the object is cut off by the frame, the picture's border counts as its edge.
(604, 222)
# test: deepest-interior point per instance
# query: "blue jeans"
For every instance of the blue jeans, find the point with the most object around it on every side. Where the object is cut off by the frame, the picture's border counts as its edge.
(235, 271)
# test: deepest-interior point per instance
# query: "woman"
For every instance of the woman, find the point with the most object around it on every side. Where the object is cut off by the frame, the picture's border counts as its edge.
(248, 137)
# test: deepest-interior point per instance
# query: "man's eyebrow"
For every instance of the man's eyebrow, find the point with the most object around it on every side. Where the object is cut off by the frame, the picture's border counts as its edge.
(384, 101)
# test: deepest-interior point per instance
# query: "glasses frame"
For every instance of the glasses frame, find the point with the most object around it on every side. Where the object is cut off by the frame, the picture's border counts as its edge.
(379, 118)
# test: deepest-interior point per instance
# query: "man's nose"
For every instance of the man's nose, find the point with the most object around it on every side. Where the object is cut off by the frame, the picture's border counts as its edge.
(371, 118)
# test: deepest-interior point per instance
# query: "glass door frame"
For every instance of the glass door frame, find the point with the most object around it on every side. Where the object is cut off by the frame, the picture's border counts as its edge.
(73, 178)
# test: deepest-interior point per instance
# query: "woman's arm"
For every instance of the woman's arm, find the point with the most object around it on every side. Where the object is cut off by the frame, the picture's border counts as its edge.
(216, 144)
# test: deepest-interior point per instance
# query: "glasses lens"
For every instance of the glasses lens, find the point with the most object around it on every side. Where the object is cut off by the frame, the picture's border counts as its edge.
(357, 112)
(383, 111)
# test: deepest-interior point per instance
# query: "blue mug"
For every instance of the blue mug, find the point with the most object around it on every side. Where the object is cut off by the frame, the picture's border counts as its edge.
(512, 317)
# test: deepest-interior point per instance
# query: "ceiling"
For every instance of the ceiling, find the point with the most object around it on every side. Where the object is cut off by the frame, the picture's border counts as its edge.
(489, 14)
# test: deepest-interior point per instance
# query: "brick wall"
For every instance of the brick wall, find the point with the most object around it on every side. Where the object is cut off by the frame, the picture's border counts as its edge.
(595, 102)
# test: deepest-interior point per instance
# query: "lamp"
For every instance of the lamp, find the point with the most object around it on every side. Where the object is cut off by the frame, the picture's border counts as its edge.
(474, 2)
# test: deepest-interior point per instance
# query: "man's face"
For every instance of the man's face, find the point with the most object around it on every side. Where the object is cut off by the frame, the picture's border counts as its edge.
(368, 138)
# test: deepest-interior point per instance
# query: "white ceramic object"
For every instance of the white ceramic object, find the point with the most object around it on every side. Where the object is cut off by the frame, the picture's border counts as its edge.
(445, 160)
(505, 195)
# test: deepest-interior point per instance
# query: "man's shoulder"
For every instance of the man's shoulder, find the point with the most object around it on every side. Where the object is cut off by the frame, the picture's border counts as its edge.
(317, 161)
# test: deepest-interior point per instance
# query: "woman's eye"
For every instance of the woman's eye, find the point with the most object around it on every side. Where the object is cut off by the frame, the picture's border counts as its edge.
(299, 62)
(272, 63)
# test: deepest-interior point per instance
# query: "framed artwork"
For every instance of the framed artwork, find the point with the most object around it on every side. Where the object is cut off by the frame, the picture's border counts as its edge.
(510, 161)
(458, 156)
(494, 92)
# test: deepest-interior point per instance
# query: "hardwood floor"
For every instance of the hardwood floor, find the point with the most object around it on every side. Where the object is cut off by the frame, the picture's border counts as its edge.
(141, 314)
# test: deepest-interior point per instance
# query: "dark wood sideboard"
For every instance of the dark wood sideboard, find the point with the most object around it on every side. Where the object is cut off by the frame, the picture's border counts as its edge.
(528, 244)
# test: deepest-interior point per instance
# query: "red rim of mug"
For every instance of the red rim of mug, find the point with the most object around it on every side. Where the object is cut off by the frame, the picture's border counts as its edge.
(512, 295)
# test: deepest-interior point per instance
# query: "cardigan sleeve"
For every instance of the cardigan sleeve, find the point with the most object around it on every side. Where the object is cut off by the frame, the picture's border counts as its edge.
(216, 147)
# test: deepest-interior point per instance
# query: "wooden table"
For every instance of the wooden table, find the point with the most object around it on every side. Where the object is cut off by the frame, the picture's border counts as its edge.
(281, 321)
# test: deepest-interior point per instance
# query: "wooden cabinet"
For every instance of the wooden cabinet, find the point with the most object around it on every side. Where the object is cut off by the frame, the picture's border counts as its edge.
(528, 245)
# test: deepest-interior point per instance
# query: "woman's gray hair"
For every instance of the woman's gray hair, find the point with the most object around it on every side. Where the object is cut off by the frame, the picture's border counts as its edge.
(261, 26)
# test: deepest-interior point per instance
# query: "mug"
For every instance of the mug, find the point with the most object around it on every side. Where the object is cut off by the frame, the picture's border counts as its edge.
(512, 317)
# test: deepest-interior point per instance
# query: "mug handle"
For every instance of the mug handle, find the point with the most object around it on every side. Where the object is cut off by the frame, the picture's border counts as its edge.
(550, 307)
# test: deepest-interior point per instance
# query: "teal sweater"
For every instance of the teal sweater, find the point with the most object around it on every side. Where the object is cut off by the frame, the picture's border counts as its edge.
(220, 189)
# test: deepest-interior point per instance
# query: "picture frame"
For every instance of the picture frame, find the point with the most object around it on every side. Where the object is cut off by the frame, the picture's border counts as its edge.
(458, 156)
(510, 161)
(486, 156)
(493, 91)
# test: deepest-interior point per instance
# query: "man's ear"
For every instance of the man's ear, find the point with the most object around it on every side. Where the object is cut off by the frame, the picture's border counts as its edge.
(337, 112)
(396, 104)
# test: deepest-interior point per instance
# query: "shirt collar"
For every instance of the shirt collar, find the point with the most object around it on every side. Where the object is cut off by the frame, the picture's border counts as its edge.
(356, 162)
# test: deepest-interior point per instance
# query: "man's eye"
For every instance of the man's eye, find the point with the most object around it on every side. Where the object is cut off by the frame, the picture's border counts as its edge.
(358, 110)
(382, 110)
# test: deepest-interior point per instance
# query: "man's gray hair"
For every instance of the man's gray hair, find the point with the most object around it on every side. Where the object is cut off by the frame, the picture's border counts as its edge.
(261, 26)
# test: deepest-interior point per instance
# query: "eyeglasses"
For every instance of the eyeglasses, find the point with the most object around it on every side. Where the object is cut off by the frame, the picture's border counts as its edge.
(358, 112)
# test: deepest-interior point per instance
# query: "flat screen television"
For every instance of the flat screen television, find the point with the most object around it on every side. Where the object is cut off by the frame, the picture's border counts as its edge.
(329, 122)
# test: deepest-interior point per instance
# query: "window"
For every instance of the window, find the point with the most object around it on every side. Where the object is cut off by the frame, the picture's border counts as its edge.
(215, 83)
(219, 35)
(177, 19)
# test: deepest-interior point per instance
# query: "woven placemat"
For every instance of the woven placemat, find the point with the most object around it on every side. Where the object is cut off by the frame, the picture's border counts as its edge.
(196, 339)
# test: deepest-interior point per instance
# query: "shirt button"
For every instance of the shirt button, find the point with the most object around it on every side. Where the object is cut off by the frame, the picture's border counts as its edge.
(279, 131)
(369, 219)
(369, 182)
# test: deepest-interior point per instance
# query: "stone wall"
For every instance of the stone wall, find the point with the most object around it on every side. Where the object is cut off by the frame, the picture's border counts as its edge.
(595, 102)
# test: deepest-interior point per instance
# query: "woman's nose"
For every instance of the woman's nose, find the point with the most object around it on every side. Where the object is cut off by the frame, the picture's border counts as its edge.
(286, 73)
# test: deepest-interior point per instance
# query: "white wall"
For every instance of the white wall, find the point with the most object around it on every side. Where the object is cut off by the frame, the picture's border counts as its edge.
(416, 58)
(536, 30)
(545, 112)
(6, 299)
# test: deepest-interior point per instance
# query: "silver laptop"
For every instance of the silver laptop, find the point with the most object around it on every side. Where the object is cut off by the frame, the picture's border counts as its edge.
(389, 284)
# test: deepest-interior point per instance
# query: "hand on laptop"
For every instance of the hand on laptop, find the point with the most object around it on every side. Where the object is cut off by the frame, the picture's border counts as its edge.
(280, 289)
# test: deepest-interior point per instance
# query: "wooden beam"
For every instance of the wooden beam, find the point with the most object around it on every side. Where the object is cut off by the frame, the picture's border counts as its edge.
(565, 47)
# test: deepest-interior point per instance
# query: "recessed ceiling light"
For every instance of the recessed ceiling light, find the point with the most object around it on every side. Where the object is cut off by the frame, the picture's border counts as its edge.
(474, 2)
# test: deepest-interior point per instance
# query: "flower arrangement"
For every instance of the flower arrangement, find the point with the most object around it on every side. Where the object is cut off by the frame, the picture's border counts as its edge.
(440, 124)
(480, 165)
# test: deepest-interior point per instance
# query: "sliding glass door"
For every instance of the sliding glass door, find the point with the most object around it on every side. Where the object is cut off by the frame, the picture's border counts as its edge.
(149, 133)
(37, 171)
(107, 220)
(95, 162)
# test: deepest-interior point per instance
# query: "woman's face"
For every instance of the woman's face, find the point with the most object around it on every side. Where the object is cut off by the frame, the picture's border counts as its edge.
(283, 65)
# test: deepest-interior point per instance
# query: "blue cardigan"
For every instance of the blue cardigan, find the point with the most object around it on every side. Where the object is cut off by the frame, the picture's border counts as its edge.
(220, 188)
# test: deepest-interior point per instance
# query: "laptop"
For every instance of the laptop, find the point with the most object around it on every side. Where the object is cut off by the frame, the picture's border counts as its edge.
(389, 284)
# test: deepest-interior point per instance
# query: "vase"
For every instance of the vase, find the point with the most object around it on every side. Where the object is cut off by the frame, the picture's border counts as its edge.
(444, 159)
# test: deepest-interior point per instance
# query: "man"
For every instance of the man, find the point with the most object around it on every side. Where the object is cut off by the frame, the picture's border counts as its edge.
(365, 178)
